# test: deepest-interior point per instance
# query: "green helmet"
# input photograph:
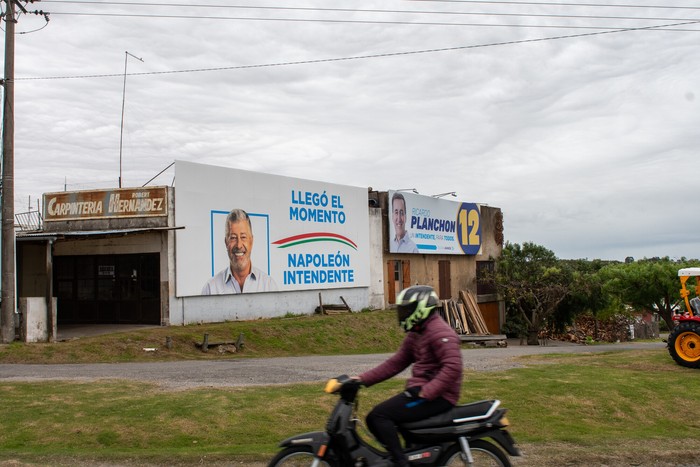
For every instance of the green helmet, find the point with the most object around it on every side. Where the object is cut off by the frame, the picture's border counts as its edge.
(415, 305)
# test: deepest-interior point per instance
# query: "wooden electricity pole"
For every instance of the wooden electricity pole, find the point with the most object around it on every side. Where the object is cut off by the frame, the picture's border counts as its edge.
(8, 304)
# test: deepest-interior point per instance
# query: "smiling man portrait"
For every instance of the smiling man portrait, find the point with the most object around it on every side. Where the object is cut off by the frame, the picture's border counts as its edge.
(400, 243)
(240, 276)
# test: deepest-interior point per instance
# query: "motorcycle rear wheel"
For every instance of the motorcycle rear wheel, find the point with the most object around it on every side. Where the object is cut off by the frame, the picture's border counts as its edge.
(297, 456)
(484, 454)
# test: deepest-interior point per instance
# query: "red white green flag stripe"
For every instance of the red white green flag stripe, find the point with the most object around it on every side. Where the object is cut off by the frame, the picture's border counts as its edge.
(314, 237)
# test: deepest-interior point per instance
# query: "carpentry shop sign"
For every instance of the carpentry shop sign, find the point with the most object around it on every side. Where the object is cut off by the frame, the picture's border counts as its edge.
(100, 204)
(302, 234)
(427, 225)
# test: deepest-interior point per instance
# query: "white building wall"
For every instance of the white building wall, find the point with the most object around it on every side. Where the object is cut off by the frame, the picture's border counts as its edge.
(36, 326)
(376, 259)
(219, 308)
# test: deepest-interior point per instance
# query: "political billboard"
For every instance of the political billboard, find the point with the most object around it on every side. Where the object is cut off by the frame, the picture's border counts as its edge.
(426, 225)
(253, 232)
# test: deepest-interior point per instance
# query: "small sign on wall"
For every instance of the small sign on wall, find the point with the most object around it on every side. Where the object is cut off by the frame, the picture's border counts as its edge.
(105, 270)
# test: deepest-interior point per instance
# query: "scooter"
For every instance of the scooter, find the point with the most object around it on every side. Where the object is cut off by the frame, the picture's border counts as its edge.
(457, 437)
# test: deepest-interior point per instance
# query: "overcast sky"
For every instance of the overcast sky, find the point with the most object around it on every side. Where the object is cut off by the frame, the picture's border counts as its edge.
(584, 132)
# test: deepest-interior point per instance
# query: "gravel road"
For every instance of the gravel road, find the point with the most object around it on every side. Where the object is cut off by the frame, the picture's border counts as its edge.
(269, 371)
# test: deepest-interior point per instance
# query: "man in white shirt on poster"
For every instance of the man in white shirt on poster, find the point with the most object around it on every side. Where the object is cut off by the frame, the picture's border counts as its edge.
(400, 243)
(240, 276)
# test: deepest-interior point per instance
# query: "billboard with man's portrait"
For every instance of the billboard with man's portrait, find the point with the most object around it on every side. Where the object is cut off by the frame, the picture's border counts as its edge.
(426, 225)
(253, 232)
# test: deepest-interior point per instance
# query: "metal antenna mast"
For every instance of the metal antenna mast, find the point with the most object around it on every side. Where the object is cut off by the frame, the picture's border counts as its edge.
(121, 131)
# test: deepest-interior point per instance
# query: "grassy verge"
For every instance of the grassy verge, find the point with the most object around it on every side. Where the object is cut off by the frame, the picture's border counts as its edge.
(300, 335)
(618, 408)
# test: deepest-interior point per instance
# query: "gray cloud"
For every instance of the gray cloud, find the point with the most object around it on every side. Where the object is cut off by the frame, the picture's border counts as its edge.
(588, 144)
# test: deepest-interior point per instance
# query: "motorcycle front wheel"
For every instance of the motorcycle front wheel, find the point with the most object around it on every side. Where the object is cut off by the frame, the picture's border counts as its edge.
(485, 454)
(298, 456)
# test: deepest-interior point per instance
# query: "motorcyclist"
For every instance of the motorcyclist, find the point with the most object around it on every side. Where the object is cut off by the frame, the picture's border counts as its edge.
(433, 348)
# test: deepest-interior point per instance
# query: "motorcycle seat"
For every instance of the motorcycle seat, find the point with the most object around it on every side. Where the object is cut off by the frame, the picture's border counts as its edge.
(474, 411)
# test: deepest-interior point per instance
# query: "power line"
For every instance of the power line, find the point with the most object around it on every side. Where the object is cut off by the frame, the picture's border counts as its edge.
(343, 21)
(361, 10)
(364, 57)
(601, 5)
(481, 2)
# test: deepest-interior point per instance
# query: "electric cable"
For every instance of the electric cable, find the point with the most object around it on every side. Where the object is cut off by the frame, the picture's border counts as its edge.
(597, 5)
(481, 2)
(361, 57)
(361, 10)
(339, 21)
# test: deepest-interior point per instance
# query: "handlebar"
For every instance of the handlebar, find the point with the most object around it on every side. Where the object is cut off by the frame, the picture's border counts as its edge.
(342, 384)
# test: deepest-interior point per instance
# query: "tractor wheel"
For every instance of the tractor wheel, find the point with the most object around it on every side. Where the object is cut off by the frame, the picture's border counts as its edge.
(684, 344)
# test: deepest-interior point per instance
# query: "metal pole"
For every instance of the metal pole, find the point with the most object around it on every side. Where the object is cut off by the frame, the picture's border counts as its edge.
(8, 304)
(50, 310)
(121, 128)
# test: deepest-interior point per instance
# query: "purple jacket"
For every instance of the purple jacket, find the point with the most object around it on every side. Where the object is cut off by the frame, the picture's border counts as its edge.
(435, 354)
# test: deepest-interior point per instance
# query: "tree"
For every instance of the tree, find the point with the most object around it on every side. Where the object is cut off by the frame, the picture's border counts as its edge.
(648, 284)
(586, 294)
(533, 284)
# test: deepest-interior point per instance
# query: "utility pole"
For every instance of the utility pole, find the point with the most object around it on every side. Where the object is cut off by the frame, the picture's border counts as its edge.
(8, 304)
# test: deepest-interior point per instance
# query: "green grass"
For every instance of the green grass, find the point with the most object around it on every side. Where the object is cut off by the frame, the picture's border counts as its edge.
(302, 335)
(617, 408)
(592, 404)
(593, 398)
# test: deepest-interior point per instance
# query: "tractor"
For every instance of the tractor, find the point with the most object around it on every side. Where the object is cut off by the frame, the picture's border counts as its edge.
(684, 339)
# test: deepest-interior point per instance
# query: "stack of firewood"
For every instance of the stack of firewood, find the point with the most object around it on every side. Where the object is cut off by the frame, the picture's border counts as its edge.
(464, 315)
(586, 327)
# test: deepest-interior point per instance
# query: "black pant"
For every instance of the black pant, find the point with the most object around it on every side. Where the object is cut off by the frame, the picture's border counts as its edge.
(402, 408)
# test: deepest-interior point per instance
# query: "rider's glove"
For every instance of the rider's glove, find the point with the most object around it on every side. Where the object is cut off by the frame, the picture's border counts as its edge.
(412, 392)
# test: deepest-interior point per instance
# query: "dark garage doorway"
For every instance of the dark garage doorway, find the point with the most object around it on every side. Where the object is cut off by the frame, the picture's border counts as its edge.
(108, 289)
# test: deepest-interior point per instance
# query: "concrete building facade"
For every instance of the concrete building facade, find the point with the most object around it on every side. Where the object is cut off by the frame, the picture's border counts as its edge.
(121, 267)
